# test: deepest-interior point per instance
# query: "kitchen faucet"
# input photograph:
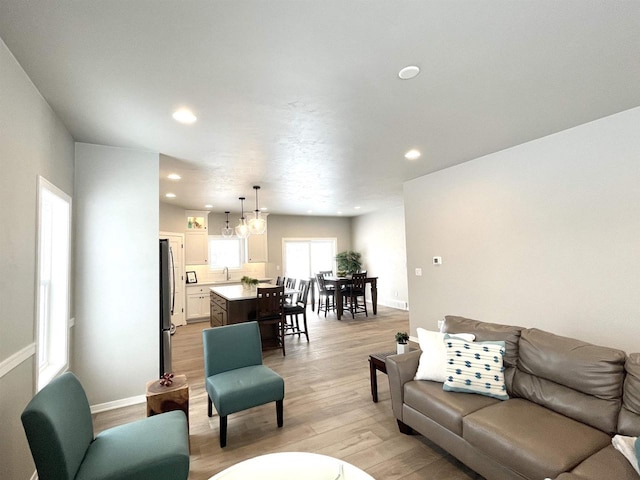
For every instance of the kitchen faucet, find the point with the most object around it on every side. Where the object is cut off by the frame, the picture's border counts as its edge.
(226, 270)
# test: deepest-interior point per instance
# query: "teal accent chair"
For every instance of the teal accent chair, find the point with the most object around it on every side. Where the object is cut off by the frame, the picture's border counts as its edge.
(235, 377)
(59, 429)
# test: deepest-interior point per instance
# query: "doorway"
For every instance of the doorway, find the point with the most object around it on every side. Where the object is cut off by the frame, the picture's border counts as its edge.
(176, 242)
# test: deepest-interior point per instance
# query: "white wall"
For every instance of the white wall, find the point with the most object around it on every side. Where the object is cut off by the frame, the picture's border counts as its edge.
(546, 234)
(32, 142)
(380, 237)
(116, 338)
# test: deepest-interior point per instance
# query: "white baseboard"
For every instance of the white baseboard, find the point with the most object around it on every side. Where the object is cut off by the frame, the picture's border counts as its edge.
(399, 304)
(124, 402)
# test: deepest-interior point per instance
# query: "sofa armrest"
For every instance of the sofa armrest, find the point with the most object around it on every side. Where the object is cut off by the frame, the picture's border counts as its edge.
(400, 370)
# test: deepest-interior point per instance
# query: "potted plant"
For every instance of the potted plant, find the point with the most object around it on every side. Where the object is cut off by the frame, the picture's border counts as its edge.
(402, 340)
(349, 262)
(249, 283)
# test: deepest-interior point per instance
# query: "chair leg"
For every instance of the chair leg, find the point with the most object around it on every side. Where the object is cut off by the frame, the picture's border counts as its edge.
(280, 412)
(306, 329)
(223, 431)
(284, 353)
(209, 406)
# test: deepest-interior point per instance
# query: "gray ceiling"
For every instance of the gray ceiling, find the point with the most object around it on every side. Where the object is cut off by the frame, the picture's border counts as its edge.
(302, 97)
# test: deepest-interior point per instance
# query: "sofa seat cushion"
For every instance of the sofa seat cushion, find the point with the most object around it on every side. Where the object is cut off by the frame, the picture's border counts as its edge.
(149, 449)
(607, 463)
(531, 440)
(445, 408)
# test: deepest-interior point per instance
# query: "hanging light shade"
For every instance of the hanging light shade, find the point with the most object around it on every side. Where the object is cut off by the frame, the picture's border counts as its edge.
(258, 224)
(242, 229)
(227, 231)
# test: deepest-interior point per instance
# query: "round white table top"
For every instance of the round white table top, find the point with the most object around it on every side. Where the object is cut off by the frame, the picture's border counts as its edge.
(292, 465)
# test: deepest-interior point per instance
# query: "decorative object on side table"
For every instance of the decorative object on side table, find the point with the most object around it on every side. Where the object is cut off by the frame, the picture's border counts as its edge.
(166, 380)
(349, 262)
(402, 339)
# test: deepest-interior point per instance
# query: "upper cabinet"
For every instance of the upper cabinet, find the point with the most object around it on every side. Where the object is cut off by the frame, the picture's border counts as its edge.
(196, 248)
(257, 250)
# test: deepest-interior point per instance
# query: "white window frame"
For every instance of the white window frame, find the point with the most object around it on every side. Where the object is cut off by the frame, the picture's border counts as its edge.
(241, 246)
(53, 282)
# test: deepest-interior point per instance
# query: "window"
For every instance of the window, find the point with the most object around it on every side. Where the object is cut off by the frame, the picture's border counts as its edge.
(304, 257)
(52, 297)
(225, 252)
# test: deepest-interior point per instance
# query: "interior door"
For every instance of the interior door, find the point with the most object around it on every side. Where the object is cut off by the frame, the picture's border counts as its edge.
(176, 242)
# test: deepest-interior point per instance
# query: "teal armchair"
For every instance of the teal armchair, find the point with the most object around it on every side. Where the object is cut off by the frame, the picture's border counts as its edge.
(235, 378)
(59, 429)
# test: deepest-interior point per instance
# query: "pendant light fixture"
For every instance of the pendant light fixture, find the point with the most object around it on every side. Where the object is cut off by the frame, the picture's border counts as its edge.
(227, 231)
(258, 224)
(242, 229)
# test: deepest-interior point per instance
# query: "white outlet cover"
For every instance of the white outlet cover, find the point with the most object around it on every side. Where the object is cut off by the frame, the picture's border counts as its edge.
(418, 272)
(437, 260)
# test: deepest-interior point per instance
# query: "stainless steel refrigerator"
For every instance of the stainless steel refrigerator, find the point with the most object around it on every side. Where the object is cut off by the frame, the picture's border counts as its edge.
(167, 301)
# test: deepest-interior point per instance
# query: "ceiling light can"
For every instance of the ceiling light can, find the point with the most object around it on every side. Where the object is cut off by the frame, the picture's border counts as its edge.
(409, 72)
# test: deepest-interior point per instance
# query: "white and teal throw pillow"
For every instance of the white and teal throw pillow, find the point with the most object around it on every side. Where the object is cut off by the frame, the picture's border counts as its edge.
(475, 367)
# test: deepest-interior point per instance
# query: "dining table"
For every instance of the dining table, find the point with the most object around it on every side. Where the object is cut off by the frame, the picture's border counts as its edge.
(339, 282)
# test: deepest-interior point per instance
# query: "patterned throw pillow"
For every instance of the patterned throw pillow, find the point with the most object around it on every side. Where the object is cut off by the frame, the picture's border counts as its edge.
(475, 367)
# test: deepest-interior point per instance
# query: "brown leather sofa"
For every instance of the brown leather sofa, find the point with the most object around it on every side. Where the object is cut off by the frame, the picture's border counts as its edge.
(567, 399)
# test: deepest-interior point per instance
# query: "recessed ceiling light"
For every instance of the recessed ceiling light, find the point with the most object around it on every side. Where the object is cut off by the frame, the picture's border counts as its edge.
(412, 154)
(264, 209)
(170, 195)
(174, 176)
(407, 73)
(184, 116)
(339, 213)
(208, 206)
(357, 207)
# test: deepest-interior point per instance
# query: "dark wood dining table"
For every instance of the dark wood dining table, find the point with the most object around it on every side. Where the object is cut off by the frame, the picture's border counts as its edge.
(339, 282)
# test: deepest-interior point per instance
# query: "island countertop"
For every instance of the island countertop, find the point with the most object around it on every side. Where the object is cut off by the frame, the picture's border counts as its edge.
(237, 292)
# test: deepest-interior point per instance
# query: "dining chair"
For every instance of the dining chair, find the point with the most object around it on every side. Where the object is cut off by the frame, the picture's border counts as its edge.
(270, 311)
(292, 312)
(280, 281)
(326, 295)
(356, 290)
(291, 283)
(326, 273)
(59, 428)
(235, 377)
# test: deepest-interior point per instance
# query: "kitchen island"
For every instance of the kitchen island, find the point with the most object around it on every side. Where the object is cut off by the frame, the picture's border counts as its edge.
(235, 304)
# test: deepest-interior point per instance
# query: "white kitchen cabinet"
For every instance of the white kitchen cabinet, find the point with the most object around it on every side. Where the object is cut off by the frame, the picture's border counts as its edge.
(196, 246)
(257, 248)
(197, 302)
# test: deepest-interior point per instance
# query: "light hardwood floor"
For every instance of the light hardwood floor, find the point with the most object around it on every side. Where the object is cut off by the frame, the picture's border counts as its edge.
(327, 407)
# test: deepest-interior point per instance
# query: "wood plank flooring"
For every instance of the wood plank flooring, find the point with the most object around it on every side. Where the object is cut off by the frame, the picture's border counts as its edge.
(327, 407)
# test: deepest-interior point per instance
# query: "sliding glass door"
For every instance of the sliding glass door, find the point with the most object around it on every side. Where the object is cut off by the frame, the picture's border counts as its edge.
(304, 257)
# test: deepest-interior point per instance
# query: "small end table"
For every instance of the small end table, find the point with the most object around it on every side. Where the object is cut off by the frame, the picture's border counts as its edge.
(161, 399)
(377, 363)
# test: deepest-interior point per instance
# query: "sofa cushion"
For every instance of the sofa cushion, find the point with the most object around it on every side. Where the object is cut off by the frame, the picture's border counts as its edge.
(572, 377)
(485, 331)
(531, 440)
(629, 419)
(434, 355)
(445, 408)
(475, 368)
(606, 463)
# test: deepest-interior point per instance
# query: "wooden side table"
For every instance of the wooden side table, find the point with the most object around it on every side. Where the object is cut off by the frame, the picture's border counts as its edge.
(377, 364)
(161, 399)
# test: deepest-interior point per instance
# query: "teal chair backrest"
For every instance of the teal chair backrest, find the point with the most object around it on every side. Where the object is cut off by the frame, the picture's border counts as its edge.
(59, 428)
(231, 347)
